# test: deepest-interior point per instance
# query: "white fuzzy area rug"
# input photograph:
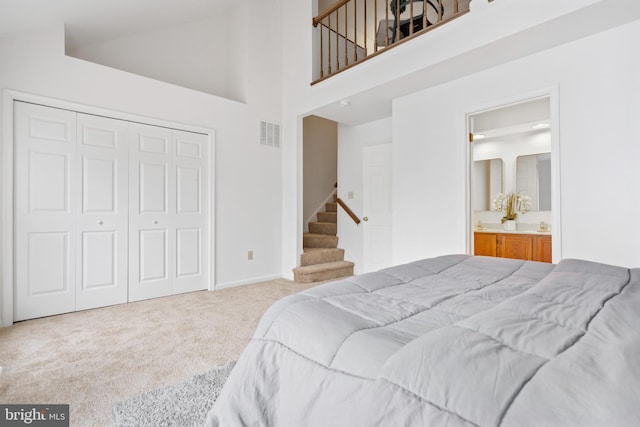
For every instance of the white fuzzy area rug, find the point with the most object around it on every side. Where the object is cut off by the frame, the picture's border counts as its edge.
(184, 404)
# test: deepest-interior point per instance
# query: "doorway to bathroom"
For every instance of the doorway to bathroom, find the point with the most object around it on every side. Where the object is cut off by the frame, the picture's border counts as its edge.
(512, 180)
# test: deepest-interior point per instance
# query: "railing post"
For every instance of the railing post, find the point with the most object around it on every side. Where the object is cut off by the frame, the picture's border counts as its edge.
(321, 52)
(337, 40)
(386, 25)
(355, 30)
(364, 12)
(375, 25)
(424, 14)
(346, 37)
(411, 18)
(397, 23)
(329, 60)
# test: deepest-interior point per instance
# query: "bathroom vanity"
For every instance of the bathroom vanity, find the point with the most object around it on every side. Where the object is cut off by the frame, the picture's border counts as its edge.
(529, 246)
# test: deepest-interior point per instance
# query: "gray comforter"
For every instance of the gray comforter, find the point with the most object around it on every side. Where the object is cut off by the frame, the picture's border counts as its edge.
(449, 341)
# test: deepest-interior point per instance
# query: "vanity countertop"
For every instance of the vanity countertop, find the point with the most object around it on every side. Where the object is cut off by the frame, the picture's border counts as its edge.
(499, 230)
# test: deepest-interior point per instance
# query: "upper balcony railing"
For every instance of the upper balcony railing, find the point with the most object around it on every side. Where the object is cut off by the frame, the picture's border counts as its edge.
(351, 31)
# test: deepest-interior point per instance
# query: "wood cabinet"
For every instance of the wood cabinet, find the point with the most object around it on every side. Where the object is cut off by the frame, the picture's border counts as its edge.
(485, 244)
(530, 247)
(542, 248)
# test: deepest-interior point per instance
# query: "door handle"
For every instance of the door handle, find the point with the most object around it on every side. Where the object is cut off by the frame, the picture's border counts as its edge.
(365, 219)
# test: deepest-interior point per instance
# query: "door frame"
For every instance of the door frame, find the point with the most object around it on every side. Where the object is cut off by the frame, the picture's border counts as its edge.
(7, 157)
(552, 92)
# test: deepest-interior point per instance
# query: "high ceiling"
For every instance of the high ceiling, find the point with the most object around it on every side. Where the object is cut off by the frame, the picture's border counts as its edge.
(89, 21)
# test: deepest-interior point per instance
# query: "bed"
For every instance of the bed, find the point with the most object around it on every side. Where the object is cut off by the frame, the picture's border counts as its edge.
(450, 341)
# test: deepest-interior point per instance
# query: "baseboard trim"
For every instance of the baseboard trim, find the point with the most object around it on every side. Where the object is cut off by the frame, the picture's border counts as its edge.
(243, 282)
(289, 276)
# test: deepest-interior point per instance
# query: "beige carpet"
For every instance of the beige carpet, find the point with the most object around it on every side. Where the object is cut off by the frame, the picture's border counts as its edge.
(94, 358)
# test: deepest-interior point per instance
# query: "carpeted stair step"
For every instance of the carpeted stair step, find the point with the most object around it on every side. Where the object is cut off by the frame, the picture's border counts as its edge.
(312, 240)
(320, 272)
(328, 217)
(312, 256)
(331, 207)
(323, 228)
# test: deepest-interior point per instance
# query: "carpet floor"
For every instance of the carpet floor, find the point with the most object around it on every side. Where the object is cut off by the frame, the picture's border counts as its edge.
(95, 358)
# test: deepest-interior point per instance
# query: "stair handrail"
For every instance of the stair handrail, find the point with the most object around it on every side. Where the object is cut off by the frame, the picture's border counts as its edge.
(349, 212)
(337, 5)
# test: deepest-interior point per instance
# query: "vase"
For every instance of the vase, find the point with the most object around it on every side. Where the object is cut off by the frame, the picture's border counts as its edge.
(510, 225)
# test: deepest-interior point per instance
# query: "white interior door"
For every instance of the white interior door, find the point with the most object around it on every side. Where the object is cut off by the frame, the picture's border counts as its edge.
(377, 207)
(151, 223)
(191, 211)
(102, 222)
(169, 208)
(45, 210)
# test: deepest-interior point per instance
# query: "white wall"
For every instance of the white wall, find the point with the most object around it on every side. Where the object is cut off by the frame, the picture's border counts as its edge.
(248, 178)
(237, 53)
(192, 55)
(492, 33)
(320, 163)
(351, 143)
(597, 87)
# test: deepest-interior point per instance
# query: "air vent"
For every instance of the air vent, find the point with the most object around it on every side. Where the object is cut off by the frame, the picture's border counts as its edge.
(269, 134)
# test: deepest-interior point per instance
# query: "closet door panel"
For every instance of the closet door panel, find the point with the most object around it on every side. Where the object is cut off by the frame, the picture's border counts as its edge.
(48, 264)
(99, 261)
(153, 186)
(48, 180)
(151, 222)
(189, 186)
(154, 252)
(99, 183)
(103, 216)
(189, 257)
(45, 248)
(191, 211)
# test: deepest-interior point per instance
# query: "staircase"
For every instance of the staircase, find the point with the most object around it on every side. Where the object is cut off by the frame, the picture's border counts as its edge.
(322, 259)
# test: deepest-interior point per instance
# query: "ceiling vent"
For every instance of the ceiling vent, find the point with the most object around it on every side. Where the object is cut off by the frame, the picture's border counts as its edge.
(269, 134)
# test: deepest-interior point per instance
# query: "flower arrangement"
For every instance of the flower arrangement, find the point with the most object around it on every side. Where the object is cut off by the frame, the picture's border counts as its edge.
(511, 204)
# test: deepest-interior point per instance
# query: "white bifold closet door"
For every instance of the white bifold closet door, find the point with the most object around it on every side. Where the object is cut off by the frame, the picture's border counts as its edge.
(71, 211)
(45, 244)
(168, 236)
(102, 212)
(106, 211)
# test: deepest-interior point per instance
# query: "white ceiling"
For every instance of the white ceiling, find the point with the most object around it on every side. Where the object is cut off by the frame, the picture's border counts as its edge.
(89, 21)
(513, 118)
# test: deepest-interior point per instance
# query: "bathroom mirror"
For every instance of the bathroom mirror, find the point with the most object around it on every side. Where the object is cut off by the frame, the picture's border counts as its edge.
(533, 177)
(487, 181)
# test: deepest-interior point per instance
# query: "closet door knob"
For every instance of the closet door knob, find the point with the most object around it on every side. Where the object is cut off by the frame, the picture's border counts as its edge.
(365, 219)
